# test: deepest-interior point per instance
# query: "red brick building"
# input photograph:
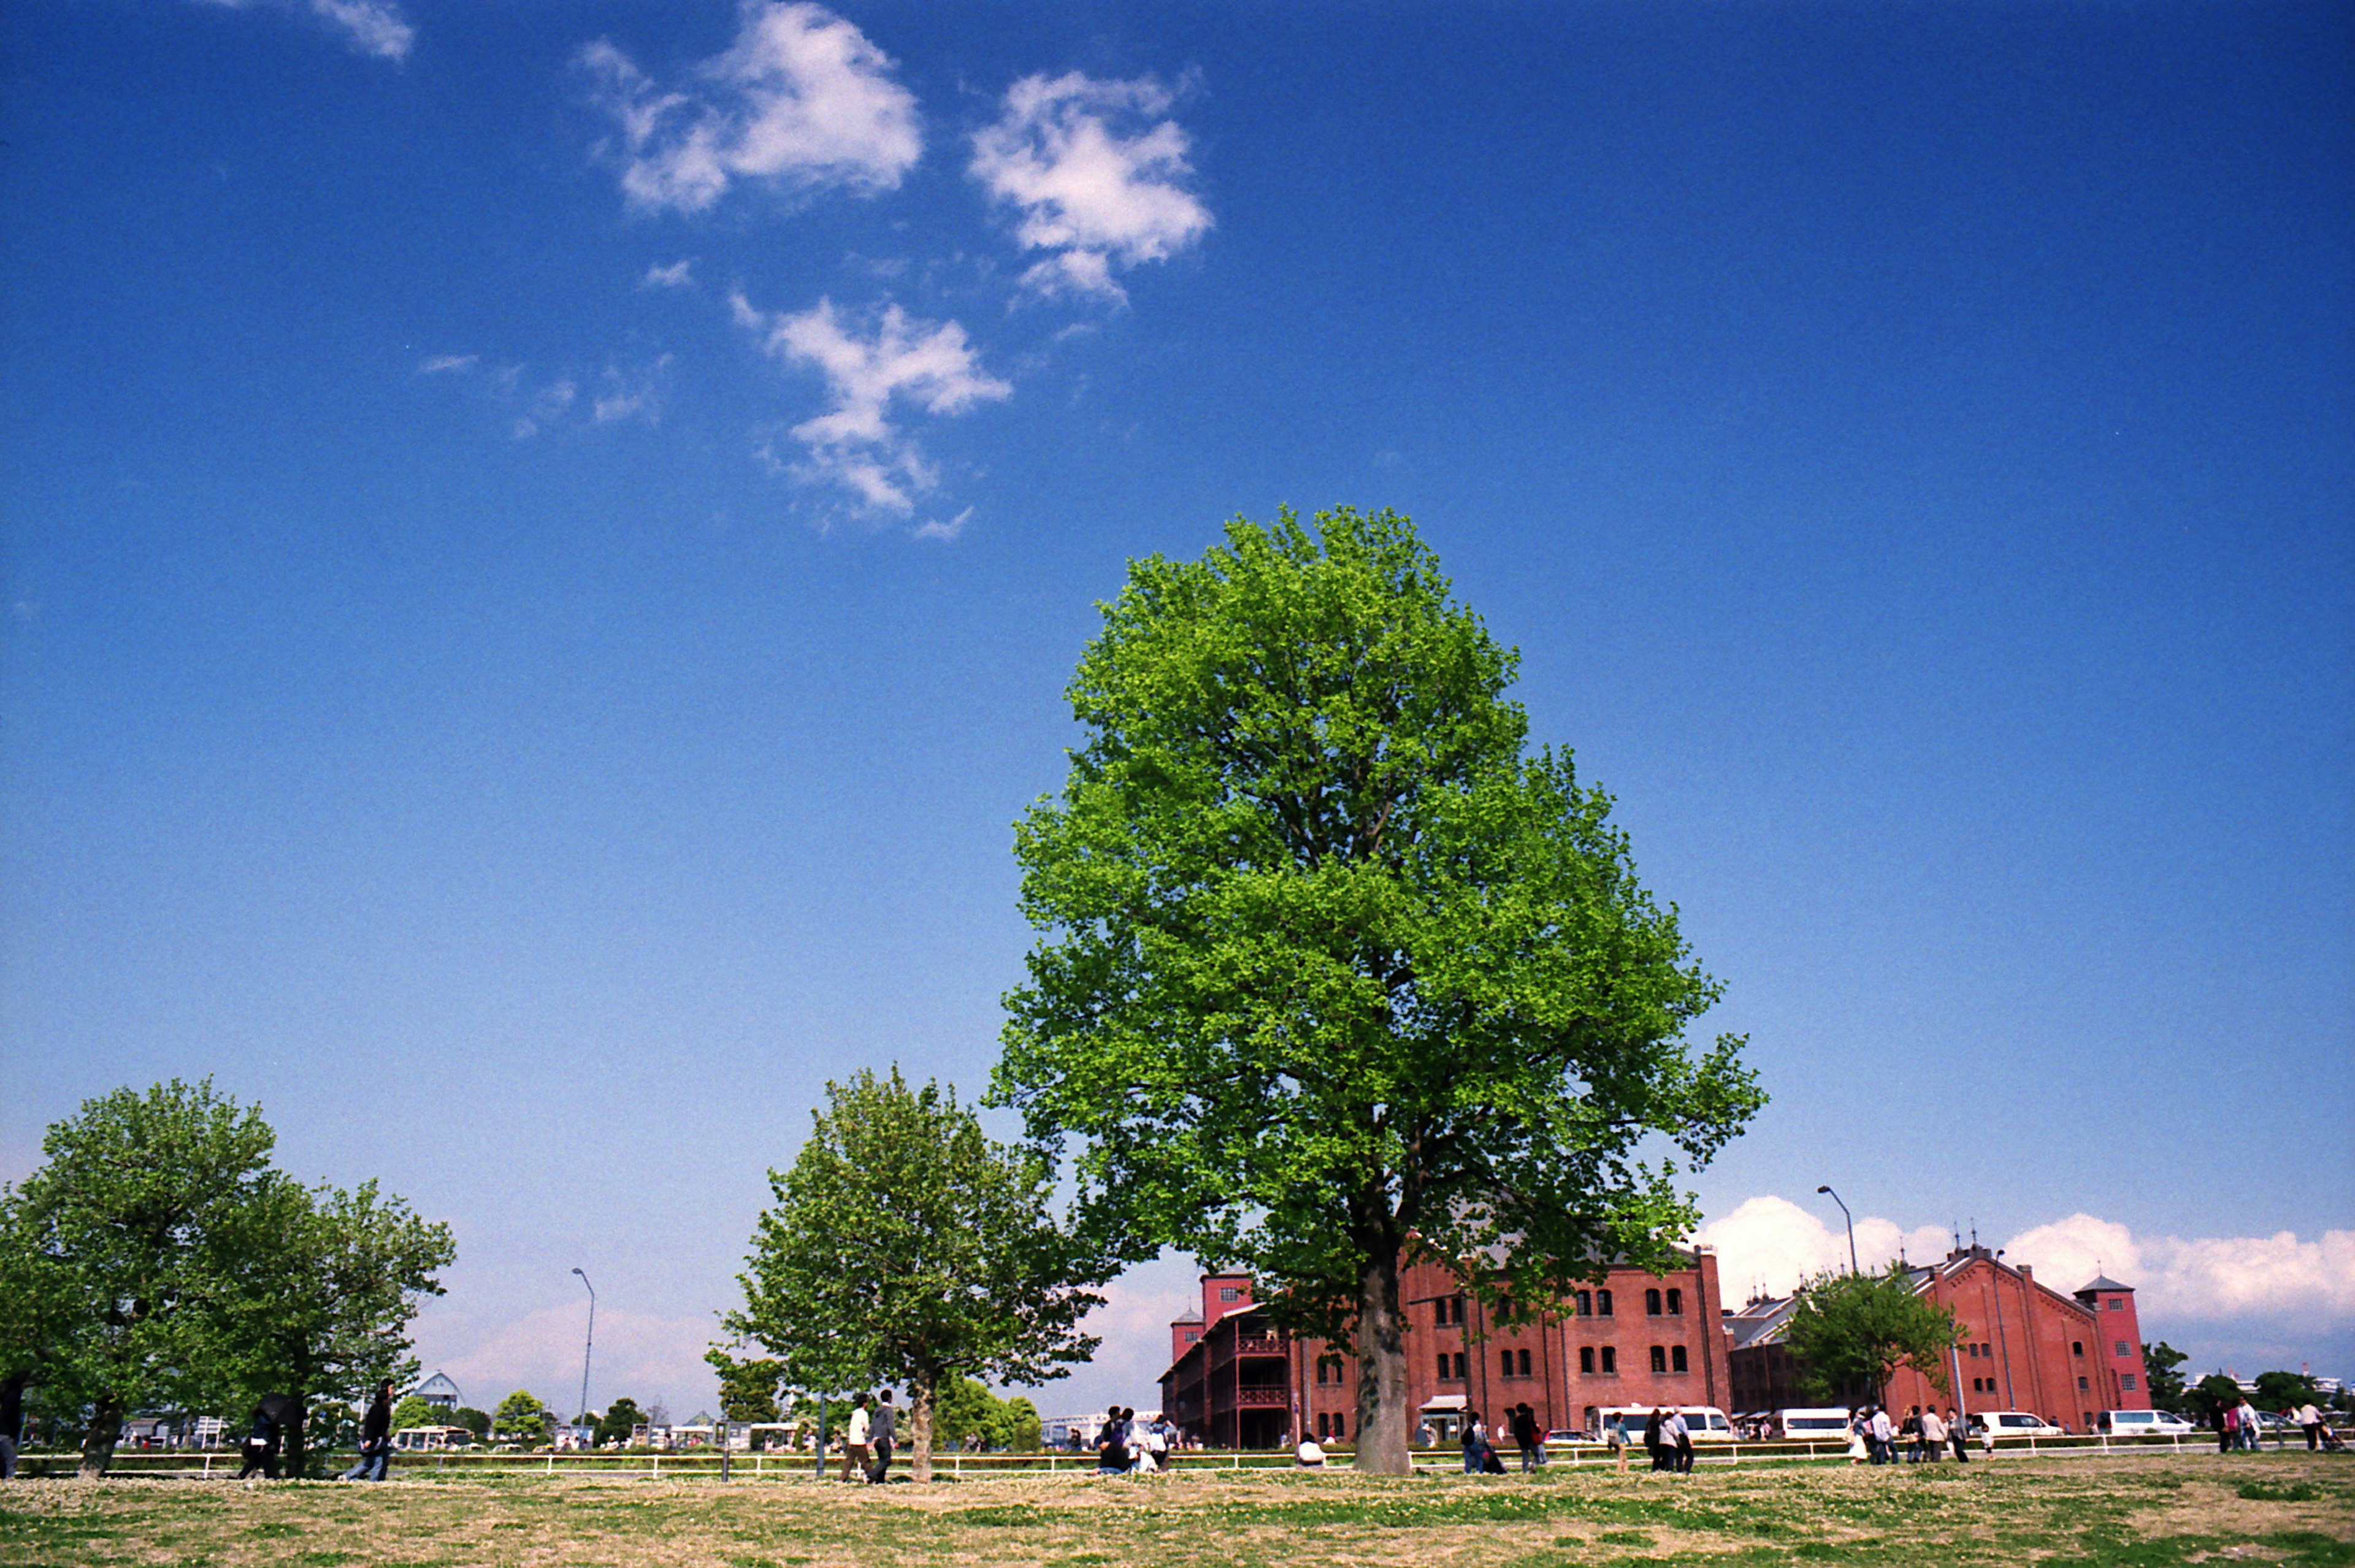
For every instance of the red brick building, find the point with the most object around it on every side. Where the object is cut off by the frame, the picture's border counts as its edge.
(2026, 1346)
(1634, 1339)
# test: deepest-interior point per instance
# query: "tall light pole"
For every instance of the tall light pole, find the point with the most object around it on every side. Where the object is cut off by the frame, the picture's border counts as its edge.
(1844, 1214)
(587, 1342)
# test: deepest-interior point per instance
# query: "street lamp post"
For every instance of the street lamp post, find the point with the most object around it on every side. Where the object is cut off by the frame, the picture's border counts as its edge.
(1845, 1215)
(588, 1341)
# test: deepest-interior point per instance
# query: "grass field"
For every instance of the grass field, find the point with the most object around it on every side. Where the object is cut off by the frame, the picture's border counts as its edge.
(2136, 1512)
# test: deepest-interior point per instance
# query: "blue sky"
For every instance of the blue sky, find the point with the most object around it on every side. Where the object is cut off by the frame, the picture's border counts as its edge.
(542, 545)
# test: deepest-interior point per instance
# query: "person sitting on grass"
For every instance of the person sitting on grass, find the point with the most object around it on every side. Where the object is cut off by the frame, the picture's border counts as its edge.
(1310, 1454)
(1112, 1444)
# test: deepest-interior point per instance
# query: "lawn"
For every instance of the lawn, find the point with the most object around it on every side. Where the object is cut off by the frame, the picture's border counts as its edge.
(2134, 1511)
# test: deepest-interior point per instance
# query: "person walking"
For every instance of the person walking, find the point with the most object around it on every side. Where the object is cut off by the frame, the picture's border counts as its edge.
(1472, 1434)
(276, 1417)
(1653, 1425)
(1859, 1447)
(1614, 1437)
(2227, 1423)
(375, 1438)
(2309, 1420)
(879, 1438)
(1912, 1432)
(1525, 1438)
(1934, 1435)
(12, 1422)
(1884, 1443)
(1678, 1435)
(2251, 1429)
(855, 1440)
(1958, 1429)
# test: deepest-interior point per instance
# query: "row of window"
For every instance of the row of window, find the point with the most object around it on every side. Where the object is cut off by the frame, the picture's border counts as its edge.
(1331, 1424)
(1448, 1310)
(1592, 1361)
(2118, 1347)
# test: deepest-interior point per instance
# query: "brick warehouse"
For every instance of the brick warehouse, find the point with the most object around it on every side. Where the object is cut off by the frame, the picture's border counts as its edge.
(1236, 1380)
(2027, 1346)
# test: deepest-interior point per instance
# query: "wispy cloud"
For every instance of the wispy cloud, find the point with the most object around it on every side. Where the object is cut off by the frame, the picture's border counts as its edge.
(442, 364)
(946, 530)
(536, 404)
(635, 394)
(870, 365)
(678, 275)
(370, 27)
(1098, 177)
(801, 100)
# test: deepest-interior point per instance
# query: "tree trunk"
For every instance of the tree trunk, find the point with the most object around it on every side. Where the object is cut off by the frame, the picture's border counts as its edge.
(98, 1440)
(920, 1427)
(1383, 1419)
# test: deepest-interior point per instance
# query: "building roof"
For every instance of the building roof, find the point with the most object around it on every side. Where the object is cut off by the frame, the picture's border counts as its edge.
(1191, 1315)
(2103, 1281)
(438, 1386)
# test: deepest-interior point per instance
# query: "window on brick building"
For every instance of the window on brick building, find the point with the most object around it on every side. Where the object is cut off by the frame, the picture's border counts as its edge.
(1462, 1370)
(1586, 1360)
(2127, 1382)
(2084, 1383)
(1603, 1304)
(2117, 1304)
(1443, 1366)
(2076, 1347)
(1676, 1304)
(1610, 1361)
(1505, 1363)
(1586, 1304)
(1229, 1293)
(1524, 1358)
(2124, 1349)
(1340, 1424)
(1677, 1360)
(1987, 1350)
(1651, 1304)
(1659, 1357)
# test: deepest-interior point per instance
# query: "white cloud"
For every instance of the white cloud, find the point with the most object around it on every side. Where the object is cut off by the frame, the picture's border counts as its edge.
(1772, 1242)
(621, 392)
(441, 363)
(630, 394)
(2207, 1280)
(544, 406)
(1095, 183)
(896, 359)
(371, 27)
(638, 1354)
(678, 275)
(944, 531)
(801, 100)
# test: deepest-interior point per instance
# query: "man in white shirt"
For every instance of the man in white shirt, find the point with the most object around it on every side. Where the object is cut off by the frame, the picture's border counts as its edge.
(1677, 1438)
(1934, 1435)
(2310, 1419)
(854, 1443)
(2250, 1431)
(1881, 1435)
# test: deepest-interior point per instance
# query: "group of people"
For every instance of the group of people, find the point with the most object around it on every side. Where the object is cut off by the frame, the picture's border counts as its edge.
(1480, 1456)
(1128, 1446)
(1873, 1439)
(866, 1445)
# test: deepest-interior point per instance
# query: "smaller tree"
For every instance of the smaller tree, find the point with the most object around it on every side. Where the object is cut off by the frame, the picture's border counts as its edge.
(2214, 1392)
(2285, 1391)
(1851, 1331)
(2160, 1362)
(622, 1418)
(748, 1386)
(477, 1422)
(520, 1415)
(414, 1411)
(905, 1247)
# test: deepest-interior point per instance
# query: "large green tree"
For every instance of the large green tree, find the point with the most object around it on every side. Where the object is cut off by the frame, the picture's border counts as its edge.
(522, 1417)
(137, 1215)
(905, 1247)
(1851, 1331)
(1337, 972)
(747, 1385)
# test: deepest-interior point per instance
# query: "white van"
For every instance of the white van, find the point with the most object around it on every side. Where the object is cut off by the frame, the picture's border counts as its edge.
(2145, 1423)
(1824, 1423)
(2016, 1423)
(1703, 1422)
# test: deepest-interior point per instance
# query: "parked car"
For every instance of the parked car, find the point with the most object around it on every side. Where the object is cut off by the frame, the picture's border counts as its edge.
(2016, 1423)
(1703, 1422)
(2145, 1423)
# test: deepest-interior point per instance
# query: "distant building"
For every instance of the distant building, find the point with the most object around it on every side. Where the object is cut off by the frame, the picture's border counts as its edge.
(1633, 1338)
(440, 1393)
(2026, 1346)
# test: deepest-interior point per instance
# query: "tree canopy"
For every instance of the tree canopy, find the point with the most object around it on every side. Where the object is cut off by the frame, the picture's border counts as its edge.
(905, 1247)
(172, 1265)
(523, 1416)
(1850, 1331)
(1335, 968)
(2160, 1365)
